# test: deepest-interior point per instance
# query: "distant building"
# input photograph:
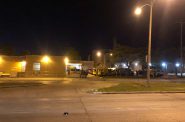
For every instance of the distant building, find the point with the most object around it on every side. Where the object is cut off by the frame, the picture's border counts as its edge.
(39, 66)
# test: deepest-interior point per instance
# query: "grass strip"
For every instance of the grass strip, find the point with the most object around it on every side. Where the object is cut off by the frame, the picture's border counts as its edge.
(141, 86)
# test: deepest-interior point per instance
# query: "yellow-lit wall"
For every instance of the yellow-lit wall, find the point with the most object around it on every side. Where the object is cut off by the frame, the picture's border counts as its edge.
(10, 64)
(55, 66)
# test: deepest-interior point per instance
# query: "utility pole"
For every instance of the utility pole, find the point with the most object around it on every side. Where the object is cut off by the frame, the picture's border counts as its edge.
(149, 43)
(181, 46)
(138, 12)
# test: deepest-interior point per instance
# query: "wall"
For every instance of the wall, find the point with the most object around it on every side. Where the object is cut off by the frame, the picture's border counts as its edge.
(11, 64)
(54, 67)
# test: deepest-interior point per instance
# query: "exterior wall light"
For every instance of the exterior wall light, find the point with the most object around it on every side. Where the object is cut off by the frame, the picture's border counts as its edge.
(46, 59)
(66, 60)
(1, 59)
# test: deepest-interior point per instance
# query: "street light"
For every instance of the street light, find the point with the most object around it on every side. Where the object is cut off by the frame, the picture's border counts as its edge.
(164, 64)
(177, 65)
(138, 11)
(105, 54)
(98, 54)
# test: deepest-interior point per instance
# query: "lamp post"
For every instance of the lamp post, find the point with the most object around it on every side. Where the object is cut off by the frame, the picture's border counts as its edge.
(138, 12)
(99, 54)
(181, 48)
(103, 55)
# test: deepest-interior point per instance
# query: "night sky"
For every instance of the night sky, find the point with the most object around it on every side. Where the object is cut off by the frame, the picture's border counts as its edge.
(50, 26)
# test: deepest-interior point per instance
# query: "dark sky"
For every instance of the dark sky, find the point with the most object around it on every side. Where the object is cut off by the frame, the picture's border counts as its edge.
(50, 26)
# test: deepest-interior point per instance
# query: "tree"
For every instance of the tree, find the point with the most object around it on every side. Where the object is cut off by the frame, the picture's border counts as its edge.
(128, 54)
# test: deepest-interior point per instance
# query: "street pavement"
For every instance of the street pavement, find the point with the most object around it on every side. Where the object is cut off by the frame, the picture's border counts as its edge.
(49, 102)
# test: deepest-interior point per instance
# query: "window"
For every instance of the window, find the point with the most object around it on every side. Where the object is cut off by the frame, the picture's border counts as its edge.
(36, 66)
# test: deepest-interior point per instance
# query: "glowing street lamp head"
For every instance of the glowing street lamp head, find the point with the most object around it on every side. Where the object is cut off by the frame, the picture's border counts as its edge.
(46, 59)
(138, 11)
(164, 64)
(177, 64)
(66, 60)
(98, 53)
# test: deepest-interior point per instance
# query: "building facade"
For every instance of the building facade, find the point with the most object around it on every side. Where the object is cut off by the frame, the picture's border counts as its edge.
(38, 66)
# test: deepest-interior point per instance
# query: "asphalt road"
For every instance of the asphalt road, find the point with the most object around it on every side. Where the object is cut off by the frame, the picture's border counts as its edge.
(48, 102)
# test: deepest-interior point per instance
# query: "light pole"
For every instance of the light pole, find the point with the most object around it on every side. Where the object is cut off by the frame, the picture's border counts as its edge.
(104, 54)
(138, 12)
(181, 49)
(99, 54)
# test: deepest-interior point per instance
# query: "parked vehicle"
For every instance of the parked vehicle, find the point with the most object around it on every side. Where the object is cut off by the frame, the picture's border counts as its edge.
(92, 71)
(125, 72)
(115, 72)
(153, 73)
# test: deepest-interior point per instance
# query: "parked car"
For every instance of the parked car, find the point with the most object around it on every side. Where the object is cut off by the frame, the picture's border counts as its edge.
(153, 73)
(92, 71)
(116, 72)
(125, 72)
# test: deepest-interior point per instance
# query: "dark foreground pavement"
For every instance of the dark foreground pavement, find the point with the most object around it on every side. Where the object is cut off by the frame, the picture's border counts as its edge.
(47, 103)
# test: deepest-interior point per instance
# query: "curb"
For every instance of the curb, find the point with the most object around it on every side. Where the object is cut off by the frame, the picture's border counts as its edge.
(159, 92)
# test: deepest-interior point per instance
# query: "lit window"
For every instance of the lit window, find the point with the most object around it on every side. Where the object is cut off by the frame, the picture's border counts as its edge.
(36, 66)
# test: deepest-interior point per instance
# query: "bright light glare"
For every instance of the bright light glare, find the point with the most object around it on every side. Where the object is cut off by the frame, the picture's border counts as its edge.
(164, 64)
(136, 64)
(23, 63)
(177, 64)
(1, 60)
(138, 11)
(66, 60)
(98, 53)
(46, 59)
(111, 54)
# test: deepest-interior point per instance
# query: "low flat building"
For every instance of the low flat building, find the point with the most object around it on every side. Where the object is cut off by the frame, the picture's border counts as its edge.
(38, 66)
